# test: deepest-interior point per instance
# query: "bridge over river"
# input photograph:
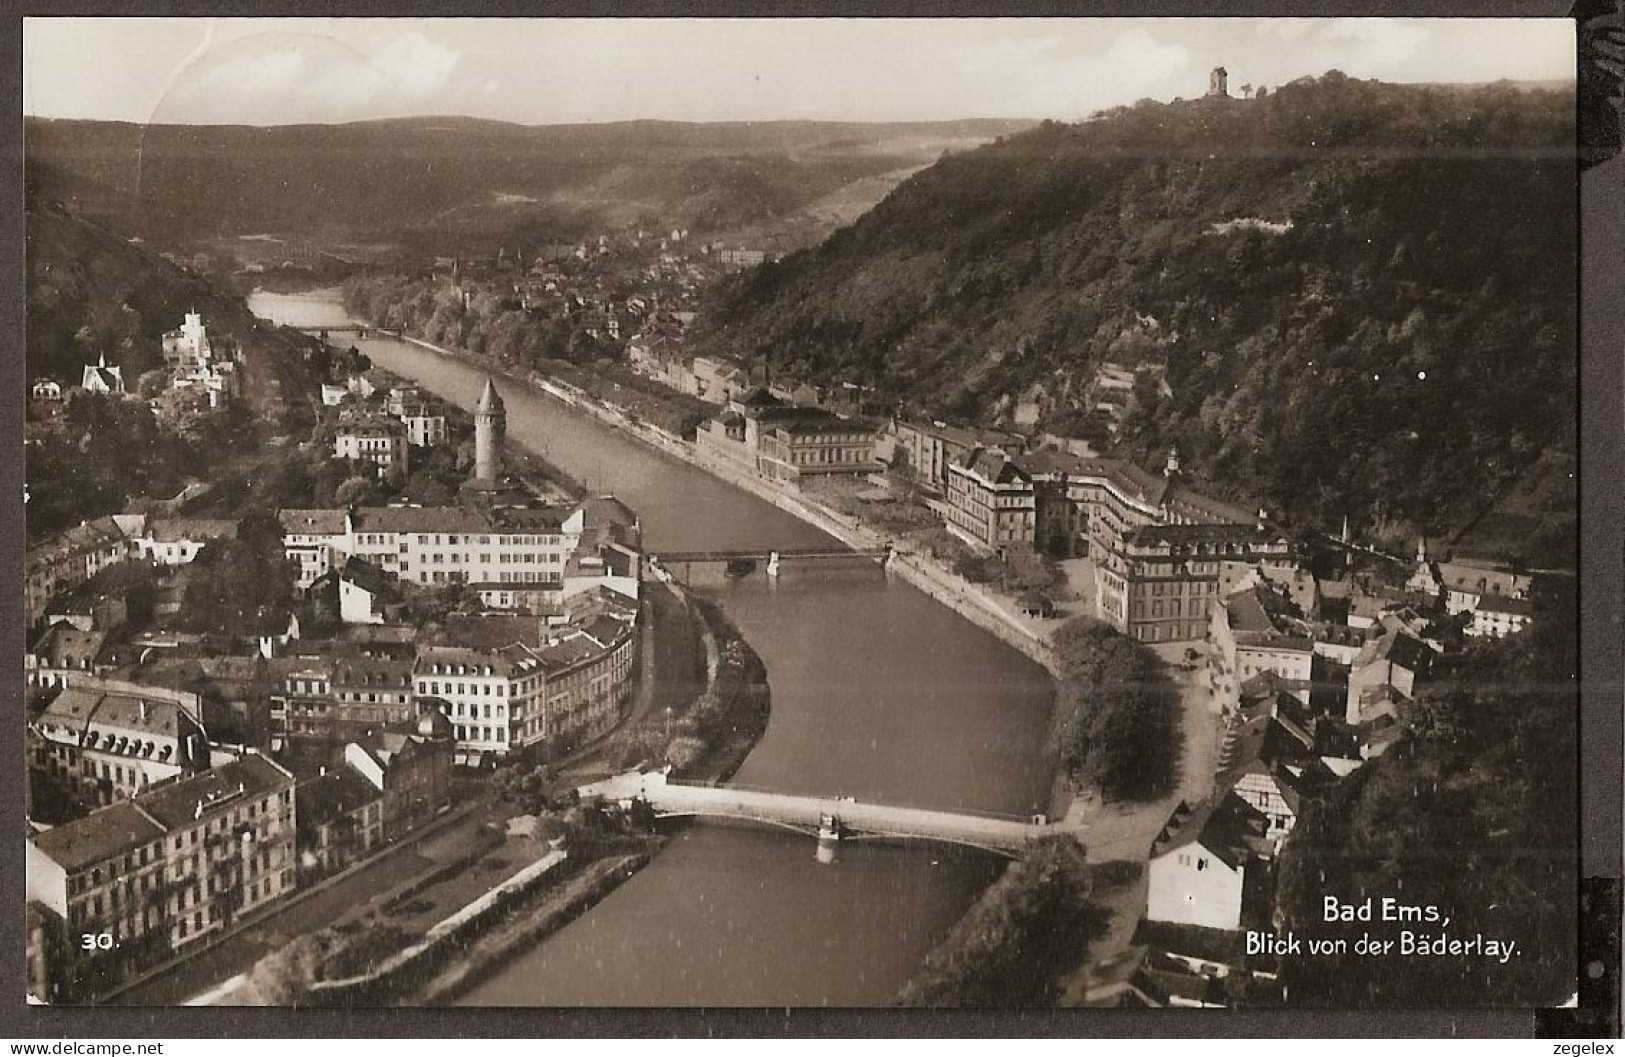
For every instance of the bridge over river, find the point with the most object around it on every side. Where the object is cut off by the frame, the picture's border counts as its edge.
(360, 330)
(840, 818)
(766, 553)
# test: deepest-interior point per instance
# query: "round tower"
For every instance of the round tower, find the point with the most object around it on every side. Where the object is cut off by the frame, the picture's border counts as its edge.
(490, 428)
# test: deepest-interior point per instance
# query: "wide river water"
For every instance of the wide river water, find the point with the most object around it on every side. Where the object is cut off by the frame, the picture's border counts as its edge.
(878, 693)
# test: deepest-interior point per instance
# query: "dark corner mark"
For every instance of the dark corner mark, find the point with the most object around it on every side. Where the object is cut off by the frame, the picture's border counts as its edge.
(1600, 71)
(1596, 1016)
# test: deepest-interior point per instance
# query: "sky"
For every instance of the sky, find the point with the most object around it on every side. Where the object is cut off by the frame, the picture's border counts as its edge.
(546, 71)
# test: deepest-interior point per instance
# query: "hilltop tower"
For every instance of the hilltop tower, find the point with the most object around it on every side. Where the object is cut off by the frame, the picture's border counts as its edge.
(490, 428)
(1217, 82)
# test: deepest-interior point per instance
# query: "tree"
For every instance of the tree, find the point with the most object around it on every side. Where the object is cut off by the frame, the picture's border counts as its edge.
(152, 383)
(1018, 941)
(285, 975)
(1116, 723)
(355, 491)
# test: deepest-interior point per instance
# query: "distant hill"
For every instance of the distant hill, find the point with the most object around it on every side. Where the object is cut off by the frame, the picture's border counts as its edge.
(459, 183)
(1361, 296)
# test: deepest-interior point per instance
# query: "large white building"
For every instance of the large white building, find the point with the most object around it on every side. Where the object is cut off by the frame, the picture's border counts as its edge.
(434, 545)
(381, 444)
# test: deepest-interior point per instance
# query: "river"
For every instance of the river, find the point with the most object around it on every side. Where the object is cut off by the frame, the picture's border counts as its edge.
(878, 693)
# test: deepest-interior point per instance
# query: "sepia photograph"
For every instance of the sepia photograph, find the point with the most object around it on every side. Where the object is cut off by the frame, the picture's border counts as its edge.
(801, 512)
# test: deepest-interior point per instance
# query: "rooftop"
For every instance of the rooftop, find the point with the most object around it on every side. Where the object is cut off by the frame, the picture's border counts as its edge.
(326, 797)
(101, 835)
(1227, 826)
(181, 803)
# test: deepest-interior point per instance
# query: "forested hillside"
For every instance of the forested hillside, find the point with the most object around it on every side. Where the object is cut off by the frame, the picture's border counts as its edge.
(1475, 814)
(91, 294)
(445, 185)
(1363, 295)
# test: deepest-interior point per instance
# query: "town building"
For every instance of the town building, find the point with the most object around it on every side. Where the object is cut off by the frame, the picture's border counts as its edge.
(102, 378)
(377, 443)
(63, 652)
(113, 740)
(991, 500)
(1271, 763)
(365, 592)
(73, 556)
(188, 346)
(511, 685)
(1158, 546)
(1256, 631)
(332, 693)
(1165, 579)
(411, 765)
(426, 424)
(1496, 616)
(1210, 866)
(340, 815)
(1466, 584)
(162, 873)
(926, 450)
(1384, 675)
(793, 442)
(178, 541)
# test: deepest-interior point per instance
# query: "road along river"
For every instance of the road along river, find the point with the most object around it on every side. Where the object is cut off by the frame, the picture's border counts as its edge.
(879, 693)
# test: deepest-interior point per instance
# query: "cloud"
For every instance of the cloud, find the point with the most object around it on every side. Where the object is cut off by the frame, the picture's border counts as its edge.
(415, 64)
(273, 71)
(1374, 41)
(1135, 58)
(1068, 86)
(311, 75)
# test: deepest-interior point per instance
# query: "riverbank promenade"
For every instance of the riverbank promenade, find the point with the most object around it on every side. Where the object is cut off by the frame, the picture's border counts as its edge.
(858, 821)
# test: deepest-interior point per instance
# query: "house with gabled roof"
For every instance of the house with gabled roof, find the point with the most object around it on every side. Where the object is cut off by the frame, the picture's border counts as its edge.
(1210, 865)
(1270, 762)
(1496, 616)
(102, 378)
(1393, 661)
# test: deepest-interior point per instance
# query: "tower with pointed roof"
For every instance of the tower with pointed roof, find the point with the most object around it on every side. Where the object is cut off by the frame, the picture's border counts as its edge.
(490, 428)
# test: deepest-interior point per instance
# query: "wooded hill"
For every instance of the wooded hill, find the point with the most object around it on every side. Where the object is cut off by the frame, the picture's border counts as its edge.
(91, 292)
(447, 185)
(1362, 295)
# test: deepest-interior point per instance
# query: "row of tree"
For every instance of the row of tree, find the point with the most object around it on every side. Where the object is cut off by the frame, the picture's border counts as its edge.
(1116, 724)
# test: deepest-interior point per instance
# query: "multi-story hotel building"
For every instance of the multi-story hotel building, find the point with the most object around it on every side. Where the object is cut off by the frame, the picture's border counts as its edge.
(159, 874)
(1157, 545)
(991, 499)
(545, 689)
(1160, 582)
(340, 696)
